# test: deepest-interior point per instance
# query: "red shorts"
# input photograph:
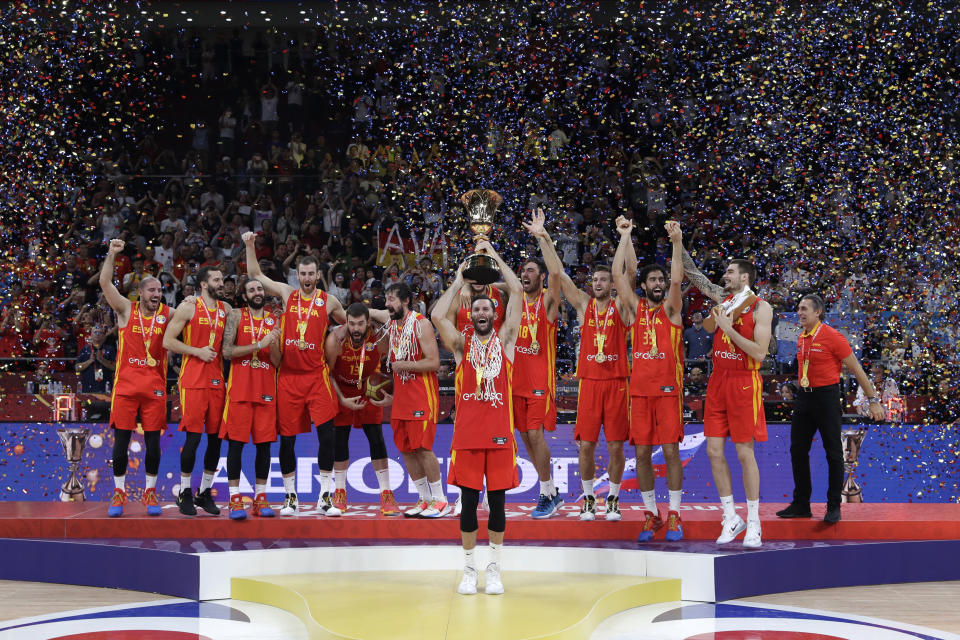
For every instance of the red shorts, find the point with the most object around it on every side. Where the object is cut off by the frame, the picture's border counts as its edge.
(201, 410)
(468, 467)
(410, 435)
(606, 403)
(152, 408)
(241, 420)
(530, 414)
(369, 414)
(656, 420)
(734, 406)
(304, 398)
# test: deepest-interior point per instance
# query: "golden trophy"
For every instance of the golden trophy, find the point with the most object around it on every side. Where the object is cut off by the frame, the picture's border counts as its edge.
(481, 206)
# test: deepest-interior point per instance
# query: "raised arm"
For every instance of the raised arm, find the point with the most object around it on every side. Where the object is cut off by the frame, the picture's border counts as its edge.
(700, 281)
(452, 338)
(575, 296)
(622, 267)
(120, 305)
(280, 289)
(514, 287)
(674, 305)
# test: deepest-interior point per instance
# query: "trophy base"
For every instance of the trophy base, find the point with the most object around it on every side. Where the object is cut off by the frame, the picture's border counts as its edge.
(66, 496)
(482, 269)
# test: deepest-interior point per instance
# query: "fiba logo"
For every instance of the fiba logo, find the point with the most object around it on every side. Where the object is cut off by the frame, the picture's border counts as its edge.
(268, 321)
(644, 355)
(161, 319)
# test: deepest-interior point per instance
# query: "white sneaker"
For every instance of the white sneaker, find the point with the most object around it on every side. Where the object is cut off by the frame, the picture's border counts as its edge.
(494, 586)
(731, 529)
(468, 586)
(457, 507)
(331, 512)
(416, 510)
(752, 539)
(436, 509)
(291, 507)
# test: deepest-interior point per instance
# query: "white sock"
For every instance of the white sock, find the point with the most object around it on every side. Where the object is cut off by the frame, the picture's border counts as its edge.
(383, 479)
(184, 482)
(649, 500)
(587, 486)
(470, 558)
(288, 484)
(326, 482)
(729, 509)
(552, 489)
(614, 490)
(753, 510)
(675, 499)
(120, 482)
(151, 482)
(436, 490)
(340, 478)
(258, 488)
(234, 491)
(495, 553)
(545, 489)
(423, 488)
(206, 482)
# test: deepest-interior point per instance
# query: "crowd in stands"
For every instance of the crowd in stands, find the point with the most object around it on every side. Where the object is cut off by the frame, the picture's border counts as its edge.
(322, 139)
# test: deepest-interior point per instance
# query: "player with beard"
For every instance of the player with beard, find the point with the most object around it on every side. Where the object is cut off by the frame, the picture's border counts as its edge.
(535, 377)
(734, 402)
(414, 358)
(304, 392)
(602, 369)
(353, 354)
(656, 378)
(202, 388)
(483, 447)
(139, 382)
(251, 342)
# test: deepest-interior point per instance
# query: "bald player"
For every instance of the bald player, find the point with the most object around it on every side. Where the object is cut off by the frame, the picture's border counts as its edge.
(202, 385)
(603, 399)
(139, 382)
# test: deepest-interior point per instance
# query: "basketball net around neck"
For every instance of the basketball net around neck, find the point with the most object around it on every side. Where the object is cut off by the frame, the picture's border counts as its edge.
(487, 358)
(403, 343)
(736, 301)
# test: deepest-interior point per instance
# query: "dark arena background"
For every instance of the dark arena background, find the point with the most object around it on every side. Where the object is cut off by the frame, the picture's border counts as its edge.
(817, 140)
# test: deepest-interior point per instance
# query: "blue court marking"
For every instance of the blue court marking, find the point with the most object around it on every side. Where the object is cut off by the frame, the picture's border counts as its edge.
(192, 610)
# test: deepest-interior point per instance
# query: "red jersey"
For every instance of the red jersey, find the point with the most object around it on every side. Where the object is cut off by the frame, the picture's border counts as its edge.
(485, 410)
(613, 363)
(656, 372)
(355, 365)
(727, 356)
(535, 369)
(415, 395)
(134, 374)
(204, 329)
(248, 383)
(825, 348)
(306, 318)
(464, 325)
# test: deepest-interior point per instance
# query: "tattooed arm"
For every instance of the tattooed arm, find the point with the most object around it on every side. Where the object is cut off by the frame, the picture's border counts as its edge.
(700, 281)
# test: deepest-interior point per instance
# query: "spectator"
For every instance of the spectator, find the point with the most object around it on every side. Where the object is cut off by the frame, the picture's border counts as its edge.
(697, 343)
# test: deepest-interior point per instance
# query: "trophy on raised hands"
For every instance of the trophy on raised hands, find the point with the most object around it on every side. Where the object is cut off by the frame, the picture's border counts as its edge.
(481, 206)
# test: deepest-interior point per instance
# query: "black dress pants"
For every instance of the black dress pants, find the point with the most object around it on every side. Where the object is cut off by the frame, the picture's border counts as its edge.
(817, 410)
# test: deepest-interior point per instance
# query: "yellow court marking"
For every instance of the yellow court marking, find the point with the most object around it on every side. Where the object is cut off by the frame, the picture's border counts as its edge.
(425, 605)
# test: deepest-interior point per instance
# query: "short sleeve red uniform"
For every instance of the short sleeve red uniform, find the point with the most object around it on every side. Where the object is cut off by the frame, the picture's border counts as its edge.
(483, 444)
(826, 348)
(351, 371)
(251, 406)
(535, 370)
(734, 402)
(202, 389)
(604, 399)
(138, 385)
(656, 378)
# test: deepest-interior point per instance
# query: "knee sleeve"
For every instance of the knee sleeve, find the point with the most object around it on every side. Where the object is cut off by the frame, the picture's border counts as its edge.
(341, 443)
(234, 453)
(288, 456)
(121, 442)
(262, 462)
(188, 455)
(469, 500)
(211, 457)
(378, 448)
(151, 460)
(498, 511)
(325, 444)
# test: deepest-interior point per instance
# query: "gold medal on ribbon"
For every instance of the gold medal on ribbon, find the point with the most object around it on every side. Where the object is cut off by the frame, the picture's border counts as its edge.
(804, 382)
(532, 327)
(255, 361)
(535, 347)
(150, 361)
(213, 338)
(601, 340)
(363, 351)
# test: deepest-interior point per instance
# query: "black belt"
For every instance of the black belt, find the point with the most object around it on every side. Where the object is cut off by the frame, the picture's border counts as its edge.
(827, 388)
